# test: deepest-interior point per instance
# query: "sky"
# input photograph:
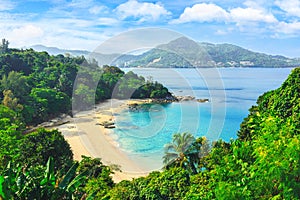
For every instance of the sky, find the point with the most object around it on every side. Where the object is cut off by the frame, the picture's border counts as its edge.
(268, 26)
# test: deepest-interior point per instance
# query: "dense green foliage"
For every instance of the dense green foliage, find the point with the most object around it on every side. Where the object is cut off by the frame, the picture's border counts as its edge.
(263, 163)
(44, 182)
(184, 151)
(23, 174)
(40, 86)
(35, 87)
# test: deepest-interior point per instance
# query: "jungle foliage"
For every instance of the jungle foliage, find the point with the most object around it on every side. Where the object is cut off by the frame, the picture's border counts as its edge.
(40, 86)
(262, 163)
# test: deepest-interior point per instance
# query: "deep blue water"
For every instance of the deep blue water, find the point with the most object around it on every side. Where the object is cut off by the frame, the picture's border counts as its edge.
(231, 91)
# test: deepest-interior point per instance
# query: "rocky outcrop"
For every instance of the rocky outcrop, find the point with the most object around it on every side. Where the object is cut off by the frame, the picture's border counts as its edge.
(185, 98)
(107, 124)
(202, 100)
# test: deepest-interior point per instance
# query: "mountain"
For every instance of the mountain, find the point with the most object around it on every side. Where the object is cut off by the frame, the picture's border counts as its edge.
(56, 51)
(188, 49)
(181, 52)
(184, 52)
(227, 55)
(152, 58)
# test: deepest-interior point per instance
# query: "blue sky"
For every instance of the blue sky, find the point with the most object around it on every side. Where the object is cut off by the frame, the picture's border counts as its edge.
(266, 26)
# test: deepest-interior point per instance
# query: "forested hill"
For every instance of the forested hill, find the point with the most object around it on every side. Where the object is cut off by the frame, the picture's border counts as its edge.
(40, 86)
(184, 52)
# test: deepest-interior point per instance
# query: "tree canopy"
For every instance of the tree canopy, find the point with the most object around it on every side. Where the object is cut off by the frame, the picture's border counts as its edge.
(42, 86)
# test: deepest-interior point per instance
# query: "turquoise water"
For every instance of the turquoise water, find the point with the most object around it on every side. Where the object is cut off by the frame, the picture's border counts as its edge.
(231, 92)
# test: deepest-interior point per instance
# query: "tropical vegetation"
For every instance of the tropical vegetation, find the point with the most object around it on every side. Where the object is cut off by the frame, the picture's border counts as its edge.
(36, 87)
(39, 86)
(262, 163)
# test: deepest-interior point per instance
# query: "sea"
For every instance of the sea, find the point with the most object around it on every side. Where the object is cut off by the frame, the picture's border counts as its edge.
(142, 133)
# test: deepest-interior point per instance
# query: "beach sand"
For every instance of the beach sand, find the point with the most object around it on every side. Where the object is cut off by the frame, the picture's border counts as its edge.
(87, 137)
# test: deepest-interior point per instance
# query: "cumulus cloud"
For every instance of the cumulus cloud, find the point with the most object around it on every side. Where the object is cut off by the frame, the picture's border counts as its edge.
(27, 32)
(202, 13)
(288, 28)
(144, 11)
(20, 35)
(244, 15)
(291, 7)
(210, 12)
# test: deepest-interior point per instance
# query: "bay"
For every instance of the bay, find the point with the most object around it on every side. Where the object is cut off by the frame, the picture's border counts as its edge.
(231, 92)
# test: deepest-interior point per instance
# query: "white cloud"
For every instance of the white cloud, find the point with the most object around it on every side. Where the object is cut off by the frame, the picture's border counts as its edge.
(97, 9)
(249, 16)
(53, 32)
(20, 35)
(223, 32)
(73, 39)
(73, 23)
(244, 15)
(145, 11)
(288, 28)
(202, 13)
(6, 5)
(258, 4)
(81, 3)
(78, 8)
(291, 7)
(106, 21)
(27, 32)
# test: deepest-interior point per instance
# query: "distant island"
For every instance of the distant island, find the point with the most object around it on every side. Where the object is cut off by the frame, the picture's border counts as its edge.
(186, 53)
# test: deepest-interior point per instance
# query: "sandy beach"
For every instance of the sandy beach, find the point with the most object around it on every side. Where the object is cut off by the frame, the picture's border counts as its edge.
(87, 137)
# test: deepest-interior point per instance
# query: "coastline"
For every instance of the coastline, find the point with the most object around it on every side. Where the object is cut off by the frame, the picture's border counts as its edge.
(88, 134)
(87, 137)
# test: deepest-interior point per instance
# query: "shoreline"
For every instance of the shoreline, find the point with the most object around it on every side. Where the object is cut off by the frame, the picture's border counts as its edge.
(87, 137)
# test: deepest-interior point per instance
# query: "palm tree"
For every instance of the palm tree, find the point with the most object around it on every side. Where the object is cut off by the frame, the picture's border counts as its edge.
(177, 152)
(197, 151)
(186, 151)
